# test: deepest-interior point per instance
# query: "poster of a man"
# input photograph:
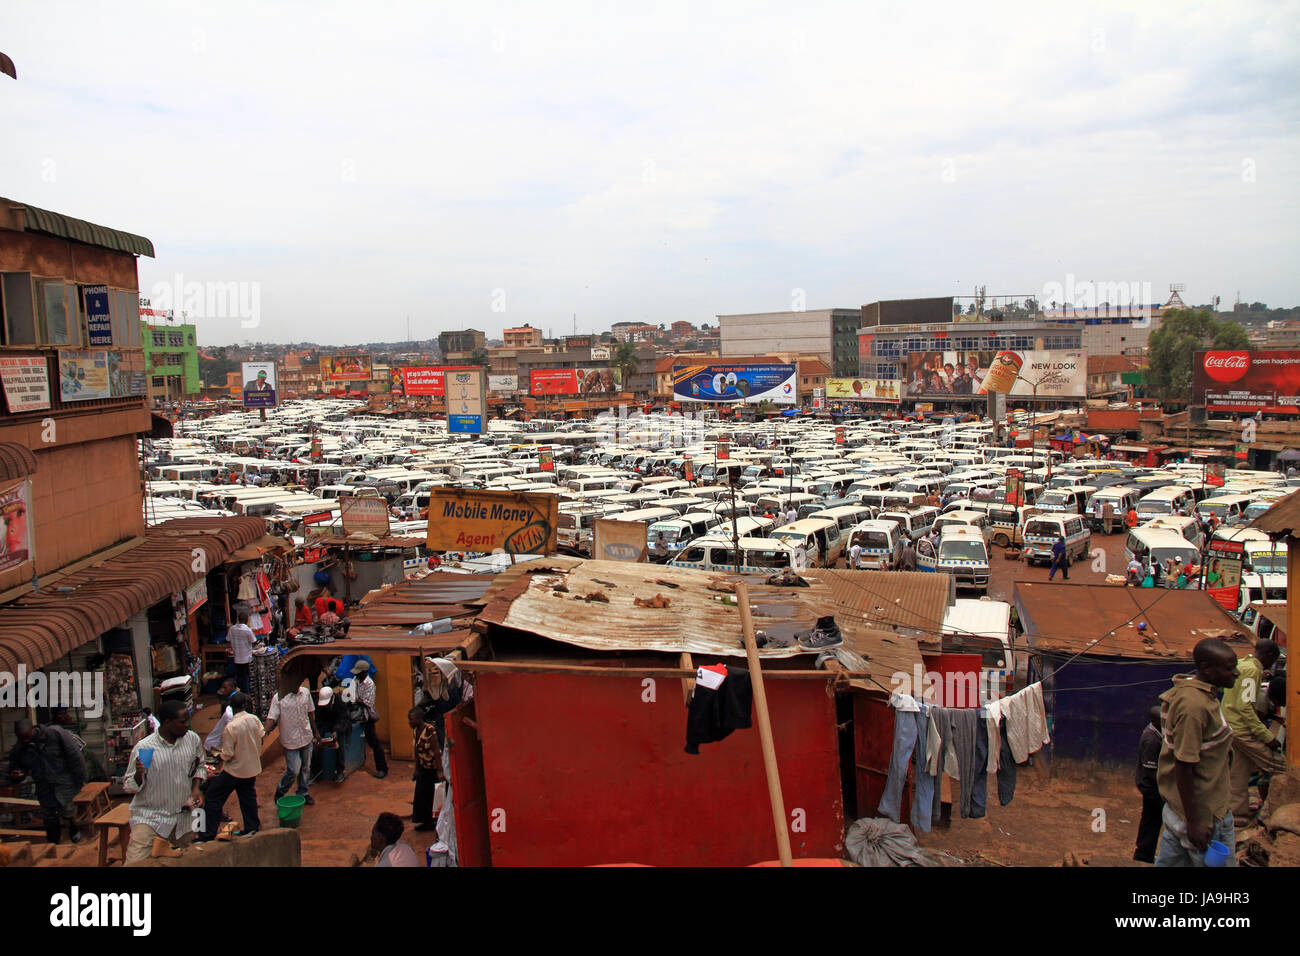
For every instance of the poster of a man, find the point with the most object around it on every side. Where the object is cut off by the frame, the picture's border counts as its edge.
(259, 385)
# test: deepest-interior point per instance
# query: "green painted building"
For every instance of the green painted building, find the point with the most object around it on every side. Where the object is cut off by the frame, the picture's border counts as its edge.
(171, 361)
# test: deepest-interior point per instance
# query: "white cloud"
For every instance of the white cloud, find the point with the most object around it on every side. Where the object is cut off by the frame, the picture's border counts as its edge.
(365, 162)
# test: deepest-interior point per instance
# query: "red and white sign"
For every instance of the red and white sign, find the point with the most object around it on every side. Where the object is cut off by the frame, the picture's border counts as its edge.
(26, 383)
(429, 379)
(1247, 381)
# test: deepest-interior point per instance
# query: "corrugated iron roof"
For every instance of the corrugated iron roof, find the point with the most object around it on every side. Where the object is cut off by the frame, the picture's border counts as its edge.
(695, 621)
(41, 627)
(78, 230)
(1282, 518)
(913, 600)
(1100, 620)
(16, 461)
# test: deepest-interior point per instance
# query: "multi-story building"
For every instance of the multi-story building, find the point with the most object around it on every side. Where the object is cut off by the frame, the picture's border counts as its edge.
(460, 345)
(171, 362)
(1110, 330)
(829, 334)
(525, 336)
(641, 384)
(1106, 374)
(85, 586)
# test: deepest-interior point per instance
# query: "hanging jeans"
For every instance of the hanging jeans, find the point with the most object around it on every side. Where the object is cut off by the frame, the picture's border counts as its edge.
(909, 736)
(1006, 771)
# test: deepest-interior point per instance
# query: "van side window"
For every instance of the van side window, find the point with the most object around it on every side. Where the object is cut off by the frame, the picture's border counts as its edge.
(1074, 526)
(693, 556)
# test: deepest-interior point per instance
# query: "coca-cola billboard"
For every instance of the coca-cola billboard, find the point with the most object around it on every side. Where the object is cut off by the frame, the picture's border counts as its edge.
(1247, 380)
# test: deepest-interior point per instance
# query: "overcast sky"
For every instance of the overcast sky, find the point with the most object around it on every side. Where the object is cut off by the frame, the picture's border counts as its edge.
(478, 165)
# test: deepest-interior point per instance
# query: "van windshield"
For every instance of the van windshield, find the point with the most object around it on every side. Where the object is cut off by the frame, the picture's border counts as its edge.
(793, 536)
(871, 539)
(962, 551)
(1055, 499)
(670, 534)
(1267, 562)
(1048, 528)
(1157, 507)
(1213, 508)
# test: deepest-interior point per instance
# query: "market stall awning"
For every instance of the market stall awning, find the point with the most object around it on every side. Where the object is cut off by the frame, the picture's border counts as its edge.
(268, 542)
(16, 461)
(43, 626)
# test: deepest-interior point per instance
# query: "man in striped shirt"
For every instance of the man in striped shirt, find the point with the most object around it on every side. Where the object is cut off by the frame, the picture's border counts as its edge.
(168, 770)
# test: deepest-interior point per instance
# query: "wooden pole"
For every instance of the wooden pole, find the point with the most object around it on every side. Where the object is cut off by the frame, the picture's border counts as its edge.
(1292, 627)
(764, 727)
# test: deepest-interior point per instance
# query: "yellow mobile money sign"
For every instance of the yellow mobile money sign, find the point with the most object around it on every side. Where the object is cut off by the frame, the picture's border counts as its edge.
(488, 521)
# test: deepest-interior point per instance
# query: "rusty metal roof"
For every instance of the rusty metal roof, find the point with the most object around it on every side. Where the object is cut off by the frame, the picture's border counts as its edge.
(1282, 518)
(41, 627)
(695, 621)
(914, 600)
(1100, 620)
(16, 461)
(78, 230)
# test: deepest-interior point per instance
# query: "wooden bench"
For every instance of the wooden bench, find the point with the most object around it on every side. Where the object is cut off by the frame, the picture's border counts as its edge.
(91, 801)
(26, 812)
(119, 817)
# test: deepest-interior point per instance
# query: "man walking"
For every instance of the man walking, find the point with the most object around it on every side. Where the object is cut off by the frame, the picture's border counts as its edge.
(292, 710)
(229, 687)
(1152, 805)
(1192, 771)
(168, 769)
(1060, 559)
(241, 762)
(365, 691)
(907, 560)
(428, 768)
(855, 556)
(241, 638)
(1254, 746)
(53, 757)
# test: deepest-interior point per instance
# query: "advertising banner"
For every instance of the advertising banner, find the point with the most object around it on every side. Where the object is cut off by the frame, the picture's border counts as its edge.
(1247, 381)
(619, 540)
(466, 399)
(546, 460)
(1047, 374)
(345, 368)
(99, 323)
(839, 434)
(88, 375)
(16, 546)
(503, 384)
(26, 383)
(196, 595)
(364, 516)
(865, 389)
(723, 451)
(259, 384)
(490, 521)
(1223, 564)
(601, 353)
(736, 383)
(1215, 475)
(1015, 487)
(575, 381)
(430, 379)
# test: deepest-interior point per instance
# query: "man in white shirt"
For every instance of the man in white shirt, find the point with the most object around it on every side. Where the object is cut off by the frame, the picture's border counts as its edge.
(294, 712)
(791, 515)
(364, 688)
(168, 771)
(241, 638)
(855, 555)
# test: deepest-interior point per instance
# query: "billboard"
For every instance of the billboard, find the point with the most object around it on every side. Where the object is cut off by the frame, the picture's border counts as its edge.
(1223, 563)
(619, 540)
(345, 368)
(16, 545)
(87, 375)
(259, 384)
(429, 379)
(575, 381)
(26, 382)
(466, 398)
(865, 389)
(503, 384)
(735, 383)
(1048, 374)
(1247, 381)
(490, 521)
(364, 515)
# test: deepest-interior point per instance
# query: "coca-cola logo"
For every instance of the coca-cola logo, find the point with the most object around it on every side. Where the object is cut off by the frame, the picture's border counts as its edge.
(1226, 366)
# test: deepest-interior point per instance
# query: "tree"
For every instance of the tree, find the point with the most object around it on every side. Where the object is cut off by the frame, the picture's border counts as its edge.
(626, 362)
(1182, 332)
(479, 357)
(956, 307)
(1031, 304)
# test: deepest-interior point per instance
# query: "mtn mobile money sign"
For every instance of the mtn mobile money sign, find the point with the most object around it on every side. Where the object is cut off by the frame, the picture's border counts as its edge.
(492, 521)
(735, 383)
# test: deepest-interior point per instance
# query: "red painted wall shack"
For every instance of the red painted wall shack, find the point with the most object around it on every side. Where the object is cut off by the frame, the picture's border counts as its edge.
(582, 770)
